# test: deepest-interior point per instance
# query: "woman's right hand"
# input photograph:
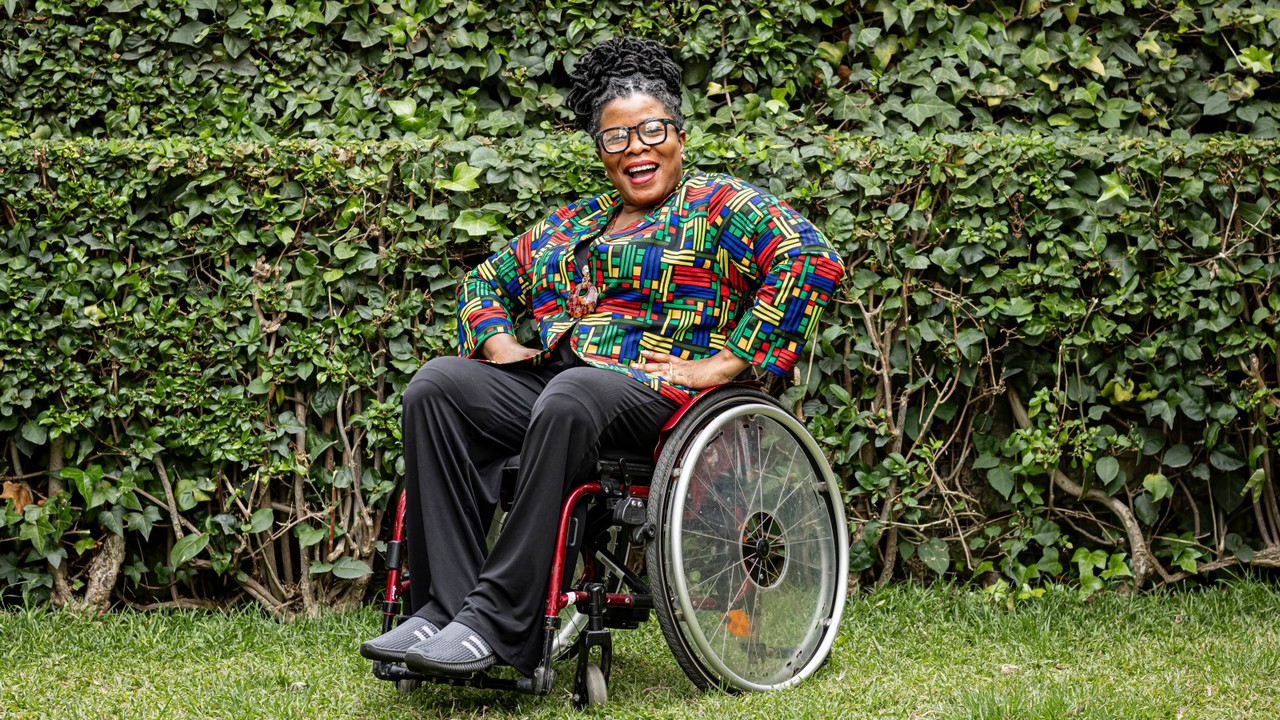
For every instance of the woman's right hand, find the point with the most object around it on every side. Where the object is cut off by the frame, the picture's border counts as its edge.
(504, 348)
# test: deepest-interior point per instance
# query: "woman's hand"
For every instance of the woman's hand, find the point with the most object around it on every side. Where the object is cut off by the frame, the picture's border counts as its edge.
(504, 348)
(718, 369)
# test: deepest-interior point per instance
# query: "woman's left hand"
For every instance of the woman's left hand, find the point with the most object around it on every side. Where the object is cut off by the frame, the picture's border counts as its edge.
(718, 369)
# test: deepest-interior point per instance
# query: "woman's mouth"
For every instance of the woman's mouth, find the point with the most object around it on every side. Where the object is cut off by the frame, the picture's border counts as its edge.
(641, 172)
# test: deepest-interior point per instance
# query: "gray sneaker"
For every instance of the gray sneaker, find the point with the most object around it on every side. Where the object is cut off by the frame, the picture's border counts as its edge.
(390, 646)
(455, 650)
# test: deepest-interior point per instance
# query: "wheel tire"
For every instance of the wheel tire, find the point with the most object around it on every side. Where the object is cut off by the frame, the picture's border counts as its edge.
(748, 565)
(404, 687)
(594, 692)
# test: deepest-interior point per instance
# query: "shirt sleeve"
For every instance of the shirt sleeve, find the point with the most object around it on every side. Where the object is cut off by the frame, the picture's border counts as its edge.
(798, 272)
(495, 296)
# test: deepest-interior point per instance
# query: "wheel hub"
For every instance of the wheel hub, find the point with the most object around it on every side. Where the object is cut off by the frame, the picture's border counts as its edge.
(764, 549)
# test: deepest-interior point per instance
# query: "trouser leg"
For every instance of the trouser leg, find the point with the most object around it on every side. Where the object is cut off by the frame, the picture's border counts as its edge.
(581, 410)
(462, 419)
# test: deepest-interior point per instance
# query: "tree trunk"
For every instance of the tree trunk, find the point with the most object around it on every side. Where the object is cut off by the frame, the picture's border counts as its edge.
(103, 571)
(62, 594)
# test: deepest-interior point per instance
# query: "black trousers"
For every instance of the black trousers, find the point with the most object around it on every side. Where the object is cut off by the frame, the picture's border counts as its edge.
(462, 420)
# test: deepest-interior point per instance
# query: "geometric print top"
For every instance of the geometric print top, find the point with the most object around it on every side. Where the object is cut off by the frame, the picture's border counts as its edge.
(719, 263)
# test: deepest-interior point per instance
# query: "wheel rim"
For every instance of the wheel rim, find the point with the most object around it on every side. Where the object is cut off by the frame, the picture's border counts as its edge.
(756, 549)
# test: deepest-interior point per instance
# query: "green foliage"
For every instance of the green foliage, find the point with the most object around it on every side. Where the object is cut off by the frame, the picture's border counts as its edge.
(230, 325)
(257, 69)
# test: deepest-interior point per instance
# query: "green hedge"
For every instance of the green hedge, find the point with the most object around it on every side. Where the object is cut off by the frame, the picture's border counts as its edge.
(258, 69)
(1052, 356)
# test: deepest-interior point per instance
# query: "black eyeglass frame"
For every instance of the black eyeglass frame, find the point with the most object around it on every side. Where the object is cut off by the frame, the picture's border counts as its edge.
(599, 137)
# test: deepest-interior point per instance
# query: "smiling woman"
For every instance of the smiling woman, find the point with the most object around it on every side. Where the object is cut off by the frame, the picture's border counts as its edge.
(673, 282)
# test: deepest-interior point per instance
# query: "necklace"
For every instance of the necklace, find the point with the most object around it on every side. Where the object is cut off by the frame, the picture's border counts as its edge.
(583, 295)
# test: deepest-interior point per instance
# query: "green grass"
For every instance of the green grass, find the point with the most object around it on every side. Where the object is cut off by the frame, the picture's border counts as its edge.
(905, 652)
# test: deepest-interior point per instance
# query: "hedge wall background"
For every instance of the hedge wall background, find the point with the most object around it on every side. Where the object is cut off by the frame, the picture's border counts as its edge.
(232, 230)
(322, 68)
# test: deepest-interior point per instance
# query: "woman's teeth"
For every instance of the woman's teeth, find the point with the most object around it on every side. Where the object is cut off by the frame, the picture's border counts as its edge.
(637, 170)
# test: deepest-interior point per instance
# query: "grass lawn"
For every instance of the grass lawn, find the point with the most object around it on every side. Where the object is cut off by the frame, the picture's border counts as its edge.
(904, 652)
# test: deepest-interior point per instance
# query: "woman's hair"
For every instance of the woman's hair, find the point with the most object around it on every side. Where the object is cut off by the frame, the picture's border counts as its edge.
(619, 68)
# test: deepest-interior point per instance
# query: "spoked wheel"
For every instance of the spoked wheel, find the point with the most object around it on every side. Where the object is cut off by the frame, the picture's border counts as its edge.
(750, 556)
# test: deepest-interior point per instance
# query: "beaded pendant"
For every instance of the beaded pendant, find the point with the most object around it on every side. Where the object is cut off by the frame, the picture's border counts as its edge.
(583, 298)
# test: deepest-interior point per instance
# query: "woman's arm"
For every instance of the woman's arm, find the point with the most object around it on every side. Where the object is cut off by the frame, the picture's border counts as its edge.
(798, 272)
(494, 296)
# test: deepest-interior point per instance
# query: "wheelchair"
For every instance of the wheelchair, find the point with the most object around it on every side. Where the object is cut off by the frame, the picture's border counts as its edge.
(732, 533)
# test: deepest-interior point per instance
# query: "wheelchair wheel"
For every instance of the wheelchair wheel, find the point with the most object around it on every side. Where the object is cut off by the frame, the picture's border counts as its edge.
(749, 560)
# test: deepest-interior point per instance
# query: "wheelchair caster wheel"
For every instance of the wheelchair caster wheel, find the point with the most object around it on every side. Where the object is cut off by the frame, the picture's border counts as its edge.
(404, 687)
(593, 692)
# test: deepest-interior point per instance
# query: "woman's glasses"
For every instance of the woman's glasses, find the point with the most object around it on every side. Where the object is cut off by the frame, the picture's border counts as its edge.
(651, 132)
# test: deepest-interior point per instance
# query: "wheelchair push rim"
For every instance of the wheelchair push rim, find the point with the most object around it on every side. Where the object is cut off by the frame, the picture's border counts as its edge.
(751, 547)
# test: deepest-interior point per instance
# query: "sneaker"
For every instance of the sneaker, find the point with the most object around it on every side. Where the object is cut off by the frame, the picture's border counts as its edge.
(390, 646)
(455, 650)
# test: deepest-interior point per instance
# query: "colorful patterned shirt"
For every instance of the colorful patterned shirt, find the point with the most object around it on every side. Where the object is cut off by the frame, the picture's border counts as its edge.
(719, 263)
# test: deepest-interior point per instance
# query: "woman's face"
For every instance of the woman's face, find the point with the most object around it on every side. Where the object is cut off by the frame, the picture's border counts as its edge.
(643, 174)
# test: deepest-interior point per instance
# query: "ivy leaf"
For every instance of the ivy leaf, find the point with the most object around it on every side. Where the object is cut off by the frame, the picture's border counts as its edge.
(464, 179)
(1225, 460)
(1094, 65)
(1001, 478)
(1177, 456)
(1107, 468)
(473, 223)
(259, 385)
(260, 520)
(34, 433)
(55, 556)
(190, 34)
(186, 549)
(1254, 486)
(1217, 104)
(1256, 60)
(235, 45)
(831, 52)
(918, 111)
(350, 569)
(1114, 186)
(934, 554)
(406, 108)
(112, 520)
(1158, 485)
(1035, 58)
(1146, 509)
(307, 535)
(142, 522)
(1116, 567)
(1236, 544)
(970, 341)
(862, 556)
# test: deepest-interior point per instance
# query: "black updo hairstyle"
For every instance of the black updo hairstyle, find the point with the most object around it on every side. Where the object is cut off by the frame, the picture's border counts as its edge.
(619, 68)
